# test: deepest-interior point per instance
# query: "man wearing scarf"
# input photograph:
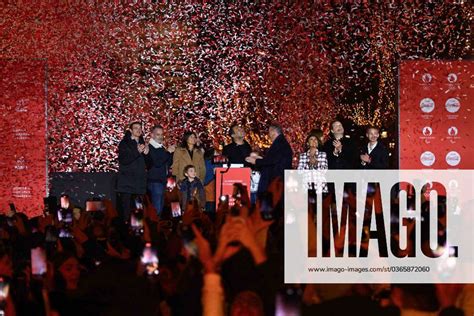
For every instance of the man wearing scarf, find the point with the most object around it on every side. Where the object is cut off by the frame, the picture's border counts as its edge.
(158, 162)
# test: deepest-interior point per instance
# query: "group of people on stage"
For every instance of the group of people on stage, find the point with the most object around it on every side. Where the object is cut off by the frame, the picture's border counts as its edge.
(144, 165)
(89, 261)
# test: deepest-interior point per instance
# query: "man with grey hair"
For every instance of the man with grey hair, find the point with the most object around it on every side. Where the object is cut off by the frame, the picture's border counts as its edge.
(158, 163)
(278, 158)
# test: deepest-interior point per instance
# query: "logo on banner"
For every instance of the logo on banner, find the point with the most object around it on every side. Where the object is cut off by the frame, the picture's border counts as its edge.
(453, 131)
(427, 158)
(452, 105)
(22, 106)
(21, 164)
(452, 78)
(453, 158)
(453, 134)
(427, 78)
(427, 105)
(427, 131)
(453, 184)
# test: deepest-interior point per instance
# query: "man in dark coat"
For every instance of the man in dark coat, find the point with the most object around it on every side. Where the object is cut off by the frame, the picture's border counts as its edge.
(341, 151)
(158, 161)
(375, 154)
(132, 170)
(277, 159)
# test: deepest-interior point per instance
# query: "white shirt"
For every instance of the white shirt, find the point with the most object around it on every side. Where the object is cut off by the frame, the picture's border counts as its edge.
(369, 149)
(155, 144)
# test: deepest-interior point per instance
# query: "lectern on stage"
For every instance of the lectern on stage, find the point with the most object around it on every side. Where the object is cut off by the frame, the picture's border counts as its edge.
(225, 179)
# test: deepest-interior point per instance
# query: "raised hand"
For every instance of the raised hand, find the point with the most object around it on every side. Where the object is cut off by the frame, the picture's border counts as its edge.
(245, 233)
(251, 160)
(365, 158)
(204, 251)
(146, 150)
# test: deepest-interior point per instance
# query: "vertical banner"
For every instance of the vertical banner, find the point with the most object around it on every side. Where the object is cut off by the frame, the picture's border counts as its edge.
(23, 170)
(436, 115)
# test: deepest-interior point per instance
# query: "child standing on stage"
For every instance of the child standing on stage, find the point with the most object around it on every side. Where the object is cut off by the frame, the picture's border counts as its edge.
(191, 188)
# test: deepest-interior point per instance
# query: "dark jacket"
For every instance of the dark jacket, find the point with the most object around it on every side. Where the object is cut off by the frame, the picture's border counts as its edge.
(132, 171)
(347, 159)
(237, 153)
(187, 189)
(276, 160)
(209, 172)
(158, 161)
(378, 156)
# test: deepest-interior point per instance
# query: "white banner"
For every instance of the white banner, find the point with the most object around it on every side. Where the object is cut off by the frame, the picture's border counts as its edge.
(379, 226)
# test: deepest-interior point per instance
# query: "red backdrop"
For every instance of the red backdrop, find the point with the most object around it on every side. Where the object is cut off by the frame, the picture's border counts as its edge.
(23, 130)
(436, 120)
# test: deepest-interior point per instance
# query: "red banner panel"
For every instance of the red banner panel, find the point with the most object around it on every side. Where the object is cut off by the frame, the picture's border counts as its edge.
(23, 171)
(436, 115)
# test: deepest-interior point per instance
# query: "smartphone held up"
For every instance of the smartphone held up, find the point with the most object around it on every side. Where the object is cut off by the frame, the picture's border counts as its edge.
(150, 260)
(38, 262)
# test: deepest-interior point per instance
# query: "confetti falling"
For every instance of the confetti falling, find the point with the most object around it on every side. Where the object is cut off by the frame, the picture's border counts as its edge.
(202, 66)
